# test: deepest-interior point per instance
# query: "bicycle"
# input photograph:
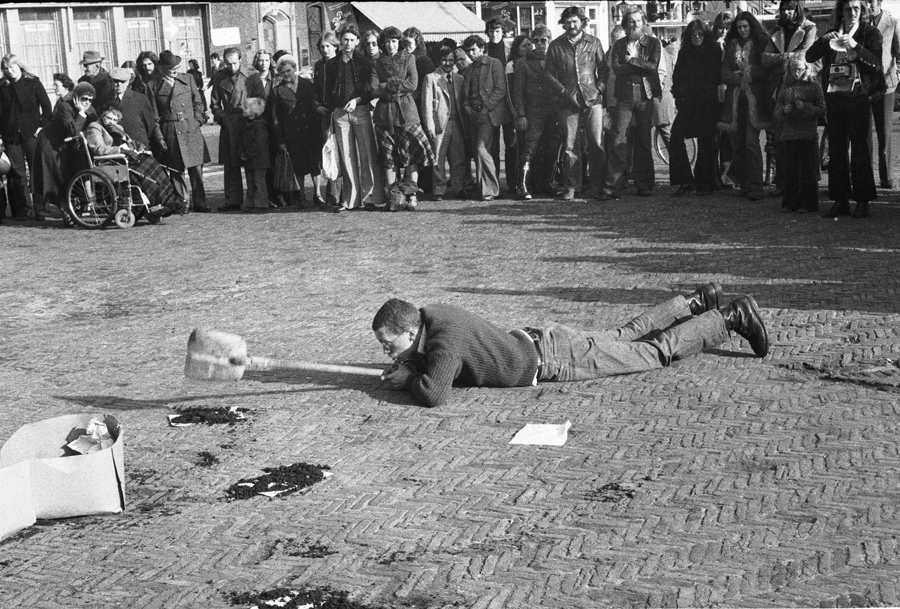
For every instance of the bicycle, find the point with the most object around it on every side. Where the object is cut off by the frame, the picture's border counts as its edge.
(662, 151)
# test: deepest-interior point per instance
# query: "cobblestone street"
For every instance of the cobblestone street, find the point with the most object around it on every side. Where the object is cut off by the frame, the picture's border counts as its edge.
(722, 481)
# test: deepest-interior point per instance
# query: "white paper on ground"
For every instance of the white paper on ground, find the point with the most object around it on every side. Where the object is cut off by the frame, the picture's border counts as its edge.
(546, 435)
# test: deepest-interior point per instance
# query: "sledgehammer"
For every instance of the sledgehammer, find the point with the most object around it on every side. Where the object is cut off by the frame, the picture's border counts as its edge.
(219, 356)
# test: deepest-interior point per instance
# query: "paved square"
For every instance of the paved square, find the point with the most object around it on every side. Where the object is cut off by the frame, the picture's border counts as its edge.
(724, 480)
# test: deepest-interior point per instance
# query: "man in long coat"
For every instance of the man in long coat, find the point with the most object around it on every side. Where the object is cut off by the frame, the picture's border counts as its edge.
(232, 85)
(91, 65)
(180, 108)
(139, 118)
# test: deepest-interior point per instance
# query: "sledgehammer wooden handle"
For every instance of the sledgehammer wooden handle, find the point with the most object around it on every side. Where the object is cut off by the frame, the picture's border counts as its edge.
(268, 363)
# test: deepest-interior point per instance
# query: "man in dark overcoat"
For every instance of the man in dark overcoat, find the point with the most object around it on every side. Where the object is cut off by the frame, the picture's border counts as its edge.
(233, 84)
(98, 77)
(139, 118)
(180, 108)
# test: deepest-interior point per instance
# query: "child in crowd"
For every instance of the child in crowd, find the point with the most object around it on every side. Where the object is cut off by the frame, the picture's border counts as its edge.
(255, 157)
(800, 104)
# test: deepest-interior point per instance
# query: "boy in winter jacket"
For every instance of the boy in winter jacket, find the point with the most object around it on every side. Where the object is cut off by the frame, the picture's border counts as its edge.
(255, 157)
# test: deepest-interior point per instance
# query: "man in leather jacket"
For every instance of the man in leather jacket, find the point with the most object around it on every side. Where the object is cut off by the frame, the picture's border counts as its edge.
(577, 72)
(635, 63)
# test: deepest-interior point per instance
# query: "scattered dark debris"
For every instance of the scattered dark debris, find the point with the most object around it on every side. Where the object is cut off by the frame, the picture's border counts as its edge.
(284, 480)
(850, 600)
(24, 533)
(294, 598)
(207, 459)
(312, 550)
(137, 475)
(5, 563)
(226, 446)
(395, 557)
(612, 492)
(209, 416)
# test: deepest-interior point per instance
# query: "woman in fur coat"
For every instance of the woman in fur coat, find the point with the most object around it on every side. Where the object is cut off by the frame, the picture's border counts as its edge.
(748, 100)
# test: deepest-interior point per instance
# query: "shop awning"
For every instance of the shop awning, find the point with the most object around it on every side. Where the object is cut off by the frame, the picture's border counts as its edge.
(436, 20)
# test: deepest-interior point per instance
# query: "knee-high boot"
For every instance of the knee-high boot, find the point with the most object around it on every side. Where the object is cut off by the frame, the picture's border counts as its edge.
(522, 186)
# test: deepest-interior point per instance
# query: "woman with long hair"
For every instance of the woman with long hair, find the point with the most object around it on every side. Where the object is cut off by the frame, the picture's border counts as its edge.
(720, 26)
(415, 45)
(328, 46)
(748, 103)
(24, 109)
(403, 147)
(695, 85)
(852, 76)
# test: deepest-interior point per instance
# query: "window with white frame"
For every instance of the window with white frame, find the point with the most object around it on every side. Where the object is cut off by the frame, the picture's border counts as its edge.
(189, 44)
(90, 32)
(141, 30)
(41, 42)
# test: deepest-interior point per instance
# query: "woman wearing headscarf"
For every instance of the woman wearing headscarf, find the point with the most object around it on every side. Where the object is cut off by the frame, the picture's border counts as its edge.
(852, 77)
(748, 100)
(295, 123)
(695, 85)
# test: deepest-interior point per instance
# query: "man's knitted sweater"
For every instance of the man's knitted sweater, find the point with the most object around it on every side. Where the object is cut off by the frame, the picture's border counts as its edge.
(463, 348)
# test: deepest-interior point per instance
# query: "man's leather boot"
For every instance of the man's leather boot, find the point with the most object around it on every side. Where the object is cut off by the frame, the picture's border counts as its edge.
(742, 316)
(840, 208)
(524, 170)
(705, 298)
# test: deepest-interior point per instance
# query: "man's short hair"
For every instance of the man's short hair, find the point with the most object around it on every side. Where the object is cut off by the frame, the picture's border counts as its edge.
(348, 28)
(444, 51)
(541, 31)
(214, 56)
(474, 39)
(232, 51)
(396, 316)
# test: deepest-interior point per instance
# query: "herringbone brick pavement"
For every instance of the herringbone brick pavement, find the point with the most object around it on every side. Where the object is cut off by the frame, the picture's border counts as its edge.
(722, 481)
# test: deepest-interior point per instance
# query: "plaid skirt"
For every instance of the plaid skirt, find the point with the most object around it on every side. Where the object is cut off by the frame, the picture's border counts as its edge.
(406, 146)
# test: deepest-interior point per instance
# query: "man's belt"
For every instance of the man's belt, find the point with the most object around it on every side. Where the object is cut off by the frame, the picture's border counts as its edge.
(172, 118)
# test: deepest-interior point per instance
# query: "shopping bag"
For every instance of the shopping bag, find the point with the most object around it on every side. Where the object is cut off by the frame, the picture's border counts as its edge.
(284, 179)
(331, 163)
(41, 476)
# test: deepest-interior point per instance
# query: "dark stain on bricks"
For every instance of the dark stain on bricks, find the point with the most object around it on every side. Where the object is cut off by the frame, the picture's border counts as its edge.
(612, 492)
(207, 459)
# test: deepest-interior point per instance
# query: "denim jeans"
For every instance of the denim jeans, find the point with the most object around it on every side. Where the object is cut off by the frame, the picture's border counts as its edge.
(652, 340)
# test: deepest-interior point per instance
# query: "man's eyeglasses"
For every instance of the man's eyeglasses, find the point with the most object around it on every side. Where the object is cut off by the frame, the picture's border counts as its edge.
(387, 347)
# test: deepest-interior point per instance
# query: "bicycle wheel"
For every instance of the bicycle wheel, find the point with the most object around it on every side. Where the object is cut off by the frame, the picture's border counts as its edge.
(660, 146)
(91, 199)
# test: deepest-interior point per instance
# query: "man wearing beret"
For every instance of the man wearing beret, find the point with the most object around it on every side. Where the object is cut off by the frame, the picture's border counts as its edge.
(97, 77)
(139, 118)
(577, 72)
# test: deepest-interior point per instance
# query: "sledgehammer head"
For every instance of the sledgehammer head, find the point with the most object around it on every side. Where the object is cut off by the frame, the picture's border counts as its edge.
(210, 354)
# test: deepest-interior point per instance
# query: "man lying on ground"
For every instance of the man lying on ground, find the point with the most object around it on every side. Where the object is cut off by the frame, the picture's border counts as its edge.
(439, 345)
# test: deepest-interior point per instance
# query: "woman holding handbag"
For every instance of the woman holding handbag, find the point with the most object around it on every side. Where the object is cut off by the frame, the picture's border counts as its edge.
(295, 128)
(328, 47)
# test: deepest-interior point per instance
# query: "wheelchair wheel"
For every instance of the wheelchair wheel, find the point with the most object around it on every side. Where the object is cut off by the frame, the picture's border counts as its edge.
(125, 219)
(91, 199)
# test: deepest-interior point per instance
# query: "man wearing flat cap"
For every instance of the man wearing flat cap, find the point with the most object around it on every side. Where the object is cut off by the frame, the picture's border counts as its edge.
(577, 72)
(139, 118)
(179, 106)
(97, 77)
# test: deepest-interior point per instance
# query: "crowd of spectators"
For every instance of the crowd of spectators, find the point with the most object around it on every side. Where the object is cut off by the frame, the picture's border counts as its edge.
(386, 118)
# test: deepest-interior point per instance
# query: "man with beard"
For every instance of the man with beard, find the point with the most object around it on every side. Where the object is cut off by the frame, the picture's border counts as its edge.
(577, 73)
(635, 63)
(883, 109)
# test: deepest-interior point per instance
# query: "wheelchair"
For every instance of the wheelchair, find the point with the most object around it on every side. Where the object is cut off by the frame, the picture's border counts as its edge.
(103, 193)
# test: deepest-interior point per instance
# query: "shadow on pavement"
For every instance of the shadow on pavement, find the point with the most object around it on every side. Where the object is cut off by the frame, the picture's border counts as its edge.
(785, 260)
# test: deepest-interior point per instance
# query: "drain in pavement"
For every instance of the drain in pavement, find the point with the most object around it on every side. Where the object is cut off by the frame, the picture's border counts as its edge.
(278, 481)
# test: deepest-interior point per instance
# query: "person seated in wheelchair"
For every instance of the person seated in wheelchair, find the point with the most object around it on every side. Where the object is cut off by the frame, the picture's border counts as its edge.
(105, 137)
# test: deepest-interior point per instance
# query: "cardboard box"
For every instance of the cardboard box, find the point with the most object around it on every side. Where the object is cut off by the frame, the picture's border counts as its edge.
(41, 478)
